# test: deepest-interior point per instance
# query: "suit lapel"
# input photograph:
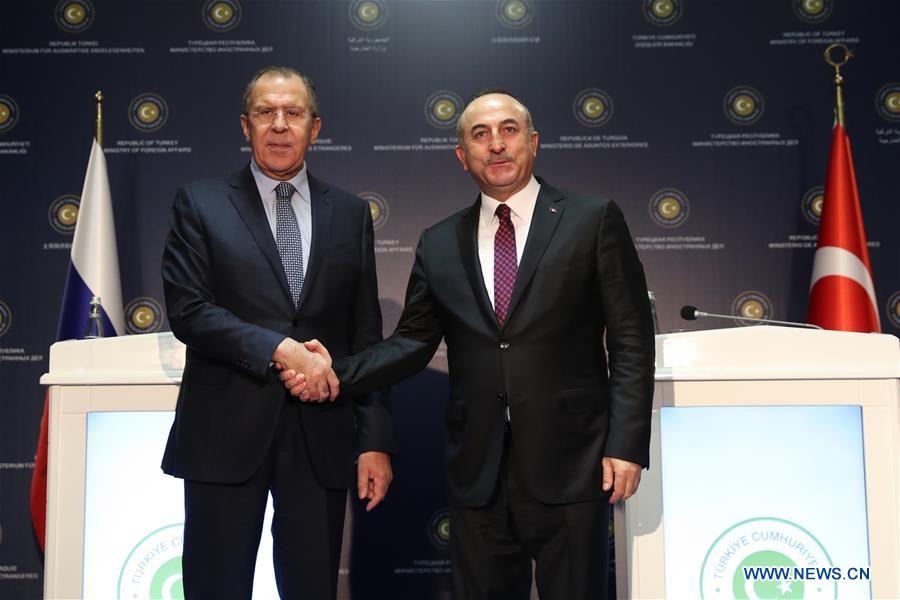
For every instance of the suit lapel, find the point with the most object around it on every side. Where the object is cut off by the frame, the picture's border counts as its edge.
(320, 205)
(467, 235)
(548, 210)
(245, 197)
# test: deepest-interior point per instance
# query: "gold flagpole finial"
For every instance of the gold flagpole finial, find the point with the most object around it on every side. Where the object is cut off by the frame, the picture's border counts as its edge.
(837, 63)
(99, 124)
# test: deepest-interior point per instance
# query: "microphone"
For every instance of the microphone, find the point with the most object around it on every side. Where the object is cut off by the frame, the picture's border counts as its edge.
(690, 313)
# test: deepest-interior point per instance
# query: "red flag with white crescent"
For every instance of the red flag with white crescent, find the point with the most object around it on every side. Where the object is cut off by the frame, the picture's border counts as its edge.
(842, 292)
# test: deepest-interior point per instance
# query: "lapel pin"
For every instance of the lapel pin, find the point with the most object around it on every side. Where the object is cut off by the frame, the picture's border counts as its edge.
(553, 210)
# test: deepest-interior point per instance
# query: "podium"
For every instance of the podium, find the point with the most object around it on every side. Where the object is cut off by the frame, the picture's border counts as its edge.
(771, 447)
(775, 469)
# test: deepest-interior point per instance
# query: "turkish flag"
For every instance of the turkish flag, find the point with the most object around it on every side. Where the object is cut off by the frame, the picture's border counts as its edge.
(842, 293)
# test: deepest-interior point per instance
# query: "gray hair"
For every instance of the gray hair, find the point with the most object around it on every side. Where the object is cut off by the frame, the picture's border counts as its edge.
(286, 72)
(529, 124)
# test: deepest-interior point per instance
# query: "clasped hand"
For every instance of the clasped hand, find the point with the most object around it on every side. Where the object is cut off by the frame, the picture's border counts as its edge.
(306, 370)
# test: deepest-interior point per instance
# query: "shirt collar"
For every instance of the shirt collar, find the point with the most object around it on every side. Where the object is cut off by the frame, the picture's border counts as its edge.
(266, 185)
(521, 204)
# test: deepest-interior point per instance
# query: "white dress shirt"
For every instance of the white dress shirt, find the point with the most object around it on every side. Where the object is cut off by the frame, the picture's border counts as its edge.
(521, 208)
(300, 202)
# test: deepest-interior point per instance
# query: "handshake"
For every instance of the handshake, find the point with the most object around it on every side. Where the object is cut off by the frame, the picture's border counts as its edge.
(306, 370)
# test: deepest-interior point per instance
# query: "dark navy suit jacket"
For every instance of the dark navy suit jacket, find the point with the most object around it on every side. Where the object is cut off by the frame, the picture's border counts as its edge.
(228, 300)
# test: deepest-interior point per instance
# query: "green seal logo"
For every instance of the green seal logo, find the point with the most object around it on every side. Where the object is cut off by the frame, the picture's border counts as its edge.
(663, 13)
(752, 304)
(811, 205)
(515, 14)
(153, 567)
(74, 16)
(368, 15)
(378, 206)
(813, 11)
(63, 213)
(764, 542)
(143, 315)
(9, 113)
(593, 107)
(887, 102)
(439, 529)
(221, 15)
(743, 105)
(148, 112)
(442, 109)
(669, 207)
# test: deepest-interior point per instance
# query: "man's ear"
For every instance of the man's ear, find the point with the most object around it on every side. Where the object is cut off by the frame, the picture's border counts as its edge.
(461, 156)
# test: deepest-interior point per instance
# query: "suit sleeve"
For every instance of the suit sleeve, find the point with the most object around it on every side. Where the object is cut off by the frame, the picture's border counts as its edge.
(629, 338)
(374, 426)
(409, 349)
(189, 288)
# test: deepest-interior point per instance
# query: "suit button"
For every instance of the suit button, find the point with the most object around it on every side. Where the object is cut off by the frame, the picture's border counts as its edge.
(504, 345)
(501, 398)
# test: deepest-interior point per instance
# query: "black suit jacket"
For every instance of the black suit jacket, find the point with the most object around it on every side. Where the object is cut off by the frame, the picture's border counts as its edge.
(579, 279)
(228, 300)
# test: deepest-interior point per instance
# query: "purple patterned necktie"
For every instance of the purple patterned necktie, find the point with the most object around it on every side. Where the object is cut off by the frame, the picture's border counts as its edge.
(504, 263)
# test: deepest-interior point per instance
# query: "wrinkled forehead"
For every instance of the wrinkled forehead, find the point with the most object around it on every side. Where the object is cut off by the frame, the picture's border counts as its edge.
(279, 87)
(493, 108)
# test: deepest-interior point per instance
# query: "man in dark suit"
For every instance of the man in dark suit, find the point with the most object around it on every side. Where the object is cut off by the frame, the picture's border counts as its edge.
(253, 263)
(543, 431)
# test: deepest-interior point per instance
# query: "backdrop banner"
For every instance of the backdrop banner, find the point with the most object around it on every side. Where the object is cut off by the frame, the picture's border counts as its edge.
(709, 122)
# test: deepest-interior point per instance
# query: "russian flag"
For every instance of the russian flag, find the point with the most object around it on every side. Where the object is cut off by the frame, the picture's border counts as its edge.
(842, 291)
(93, 271)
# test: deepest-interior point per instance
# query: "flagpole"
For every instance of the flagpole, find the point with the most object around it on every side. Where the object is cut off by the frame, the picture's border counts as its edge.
(99, 123)
(838, 78)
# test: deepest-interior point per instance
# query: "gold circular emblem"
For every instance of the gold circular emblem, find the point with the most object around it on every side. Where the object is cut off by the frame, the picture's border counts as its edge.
(515, 14)
(4, 113)
(368, 15)
(812, 7)
(143, 315)
(669, 207)
(892, 102)
(752, 309)
(148, 112)
(813, 11)
(221, 13)
(5, 318)
(368, 12)
(63, 213)
(442, 108)
(663, 8)
(887, 102)
(515, 10)
(593, 107)
(74, 16)
(743, 105)
(752, 305)
(74, 13)
(378, 208)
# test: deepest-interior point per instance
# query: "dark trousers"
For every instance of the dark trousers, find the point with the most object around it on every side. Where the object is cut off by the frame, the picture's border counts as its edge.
(492, 547)
(223, 524)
